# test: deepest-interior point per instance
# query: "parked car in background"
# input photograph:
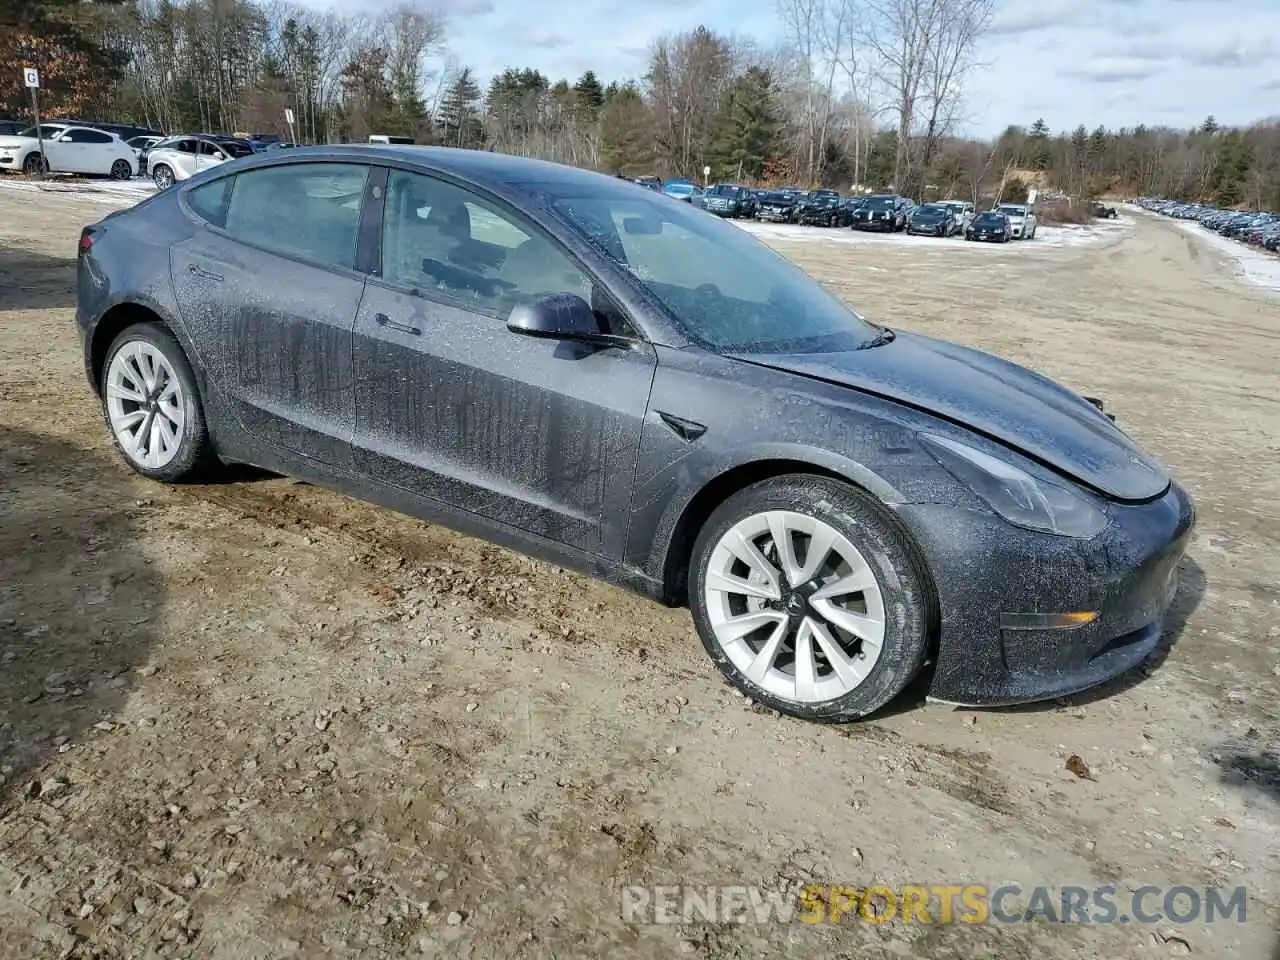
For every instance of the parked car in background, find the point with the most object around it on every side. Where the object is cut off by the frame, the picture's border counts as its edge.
(729, 200)
(887, 212)
(1022, 220)
(838, 503)
(388, 138)
(10, 127)
(141, 146)
(262, 141)
(685, 190)
(179, 158)
(1104, 212)
(281, 145)
(776, 206)
(822, 208)
(68, 149)
(933, 220)
(990, 227)
(961, 213)
(651, 183)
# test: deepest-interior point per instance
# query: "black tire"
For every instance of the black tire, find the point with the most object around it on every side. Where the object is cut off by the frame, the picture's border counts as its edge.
(122, 170)
(195, 449)
(162, 176)
(884, 543)
(35, 163)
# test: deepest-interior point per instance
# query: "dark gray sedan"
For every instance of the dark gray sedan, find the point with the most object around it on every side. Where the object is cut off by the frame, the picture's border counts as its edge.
(554, 360)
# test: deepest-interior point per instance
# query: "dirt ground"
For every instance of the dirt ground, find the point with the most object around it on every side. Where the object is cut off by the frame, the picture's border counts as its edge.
(256, 719)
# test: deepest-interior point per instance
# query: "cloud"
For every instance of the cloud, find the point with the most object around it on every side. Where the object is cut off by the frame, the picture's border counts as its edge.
(1113, 70)
(1015, 19)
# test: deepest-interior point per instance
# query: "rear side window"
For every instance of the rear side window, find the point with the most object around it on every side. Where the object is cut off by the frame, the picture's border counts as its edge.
(209, 200)
(90, 136)
(309, 210)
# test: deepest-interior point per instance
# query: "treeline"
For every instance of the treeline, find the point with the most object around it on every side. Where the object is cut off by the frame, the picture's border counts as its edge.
(859, 92)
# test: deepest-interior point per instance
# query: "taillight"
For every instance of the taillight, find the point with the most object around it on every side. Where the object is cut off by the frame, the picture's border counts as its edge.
(86, 240)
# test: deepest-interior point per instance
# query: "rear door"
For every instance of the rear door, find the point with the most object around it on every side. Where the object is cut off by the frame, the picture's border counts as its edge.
(270, 279)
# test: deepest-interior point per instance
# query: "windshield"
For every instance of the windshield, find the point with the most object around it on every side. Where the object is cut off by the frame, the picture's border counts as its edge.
(993, 218)
(879, 203)
(775, 198)
(727, 290)
(679, 188)
(1011, 211)
(720, 190)
(930, 210)
(45, 131)
(233, 149)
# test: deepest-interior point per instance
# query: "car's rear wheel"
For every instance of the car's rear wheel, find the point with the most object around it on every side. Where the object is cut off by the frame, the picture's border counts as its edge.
(162, 176)
(35, 163)
(152, 405)
(121, 170)
(810, 598)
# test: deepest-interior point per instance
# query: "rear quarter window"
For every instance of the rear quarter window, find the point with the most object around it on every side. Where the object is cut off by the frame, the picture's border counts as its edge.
(209, 200)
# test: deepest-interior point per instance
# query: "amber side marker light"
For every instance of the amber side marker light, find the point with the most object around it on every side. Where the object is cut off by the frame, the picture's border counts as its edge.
(1047, 621)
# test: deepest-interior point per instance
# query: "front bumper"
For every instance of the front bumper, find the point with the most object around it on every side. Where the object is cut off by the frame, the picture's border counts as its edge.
(1128, 574)
(775, 216)
(885, 225)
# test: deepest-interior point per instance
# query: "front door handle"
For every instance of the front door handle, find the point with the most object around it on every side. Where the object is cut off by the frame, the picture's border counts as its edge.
(202, 274)
(382, 320)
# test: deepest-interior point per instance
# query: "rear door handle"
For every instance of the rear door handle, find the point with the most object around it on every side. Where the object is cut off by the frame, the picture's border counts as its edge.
(382, 320)
(203, 274)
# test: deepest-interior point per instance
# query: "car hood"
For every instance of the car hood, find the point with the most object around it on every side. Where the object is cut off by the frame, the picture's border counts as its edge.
(12, 141)
(1009, 403)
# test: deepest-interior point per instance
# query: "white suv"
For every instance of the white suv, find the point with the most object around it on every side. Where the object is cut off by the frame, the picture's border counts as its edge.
(1021, 218)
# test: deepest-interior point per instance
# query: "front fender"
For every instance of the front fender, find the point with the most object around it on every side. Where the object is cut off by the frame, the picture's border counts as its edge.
(757, 417)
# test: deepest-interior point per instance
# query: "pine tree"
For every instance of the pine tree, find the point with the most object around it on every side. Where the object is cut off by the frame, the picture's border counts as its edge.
(458, 116)
(749, 127)
(1038, 153)
(590, 93)
(627, 133)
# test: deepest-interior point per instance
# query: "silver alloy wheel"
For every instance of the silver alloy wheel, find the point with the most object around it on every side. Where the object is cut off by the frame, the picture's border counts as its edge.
(145, 404)
(163, 177)
(795, 606)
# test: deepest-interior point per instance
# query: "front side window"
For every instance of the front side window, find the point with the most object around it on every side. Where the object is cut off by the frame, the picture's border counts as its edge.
(447, 242)
(309, 210)
(725, 289)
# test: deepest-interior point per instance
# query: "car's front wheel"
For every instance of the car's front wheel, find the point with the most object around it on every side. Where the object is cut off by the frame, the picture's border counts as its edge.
(35, 163)
(152, 405)
(162, 176)
(121, 170)
(810, 597)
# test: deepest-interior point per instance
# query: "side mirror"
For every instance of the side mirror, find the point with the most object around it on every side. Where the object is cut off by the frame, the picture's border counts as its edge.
(557, 316)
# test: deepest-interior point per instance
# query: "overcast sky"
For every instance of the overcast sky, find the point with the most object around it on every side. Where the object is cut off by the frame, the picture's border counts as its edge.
(1110, 62)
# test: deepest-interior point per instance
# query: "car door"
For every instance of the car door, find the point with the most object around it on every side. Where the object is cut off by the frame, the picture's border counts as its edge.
(96, 152)
(538, 434)
(269, 279)
(182, 155)
(208, 154)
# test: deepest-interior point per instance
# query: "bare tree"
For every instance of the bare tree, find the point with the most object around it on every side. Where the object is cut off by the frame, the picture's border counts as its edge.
(688, 79)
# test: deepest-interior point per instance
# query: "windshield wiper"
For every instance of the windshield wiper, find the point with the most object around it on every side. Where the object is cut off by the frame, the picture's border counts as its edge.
(880, 339)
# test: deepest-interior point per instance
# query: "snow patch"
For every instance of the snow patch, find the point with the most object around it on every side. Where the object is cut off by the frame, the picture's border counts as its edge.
(1254, 266)
(114, 193)
(1068, 235)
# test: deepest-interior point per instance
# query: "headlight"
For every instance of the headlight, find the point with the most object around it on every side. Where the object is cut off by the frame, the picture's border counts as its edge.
(1020, 498)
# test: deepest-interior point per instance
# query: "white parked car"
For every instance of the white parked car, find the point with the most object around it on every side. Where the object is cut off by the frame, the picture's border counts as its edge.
(961, 212)
(69, 149)
(179, 158)
(1021, 218)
